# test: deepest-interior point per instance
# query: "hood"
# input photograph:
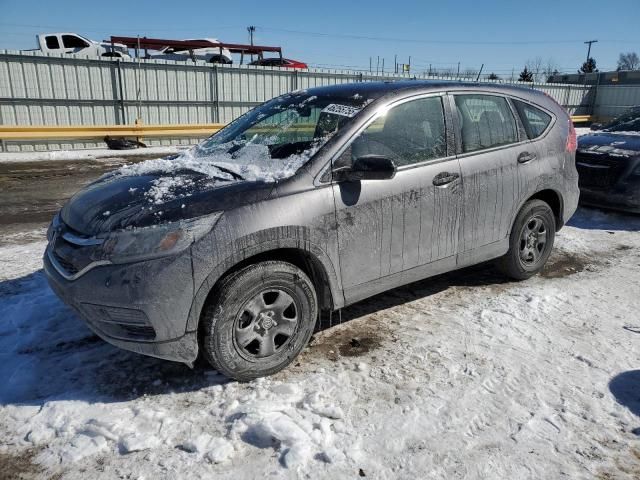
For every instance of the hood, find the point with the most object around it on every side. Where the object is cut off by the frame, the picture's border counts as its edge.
(610, 143)
(118, 201)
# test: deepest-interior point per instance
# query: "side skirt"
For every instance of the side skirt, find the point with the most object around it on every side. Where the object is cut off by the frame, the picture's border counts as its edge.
(444, 265)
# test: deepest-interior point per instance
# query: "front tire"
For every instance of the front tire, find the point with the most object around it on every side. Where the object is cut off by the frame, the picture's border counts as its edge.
(259, 320)
(530, 242)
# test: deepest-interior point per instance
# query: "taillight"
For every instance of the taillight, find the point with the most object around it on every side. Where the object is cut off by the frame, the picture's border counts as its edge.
(572, 141)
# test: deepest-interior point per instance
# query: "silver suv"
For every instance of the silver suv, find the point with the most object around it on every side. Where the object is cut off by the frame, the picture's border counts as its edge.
(310, 202)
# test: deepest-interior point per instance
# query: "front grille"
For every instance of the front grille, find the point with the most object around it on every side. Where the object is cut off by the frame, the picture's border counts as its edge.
(71, 253)
(598, 171)
(69, 268)
(143, 333)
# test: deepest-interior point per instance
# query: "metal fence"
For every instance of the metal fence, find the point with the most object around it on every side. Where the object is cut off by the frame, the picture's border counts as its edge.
(38, 89)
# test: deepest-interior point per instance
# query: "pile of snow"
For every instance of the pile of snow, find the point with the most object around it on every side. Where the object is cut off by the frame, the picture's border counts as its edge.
(471, 377)
(586, 131)
(252, 162)
(87, 154)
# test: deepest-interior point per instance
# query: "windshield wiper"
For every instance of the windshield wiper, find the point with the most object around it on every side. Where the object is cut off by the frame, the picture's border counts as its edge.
(235, 175)
(235, 148)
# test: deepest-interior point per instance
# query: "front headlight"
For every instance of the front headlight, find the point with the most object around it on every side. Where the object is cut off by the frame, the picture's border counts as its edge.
(146, 243)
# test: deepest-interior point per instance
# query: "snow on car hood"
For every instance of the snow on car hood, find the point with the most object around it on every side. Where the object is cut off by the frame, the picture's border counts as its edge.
(197, 182)
(610, 143)
(250, 161)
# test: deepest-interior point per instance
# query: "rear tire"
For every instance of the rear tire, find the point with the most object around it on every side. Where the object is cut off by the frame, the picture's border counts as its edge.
(530, 242)
(259, 320)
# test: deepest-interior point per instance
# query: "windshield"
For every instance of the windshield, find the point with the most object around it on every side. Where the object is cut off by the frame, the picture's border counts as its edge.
(627, 122)
(268, 144)
(274, 140)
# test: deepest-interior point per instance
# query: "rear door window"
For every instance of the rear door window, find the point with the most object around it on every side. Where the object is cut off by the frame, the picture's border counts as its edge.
(52, 42)
(486, 121)
(535, 121)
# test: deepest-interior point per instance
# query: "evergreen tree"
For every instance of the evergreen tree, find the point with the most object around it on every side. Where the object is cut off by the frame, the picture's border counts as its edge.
(526, 75)
(589, 66)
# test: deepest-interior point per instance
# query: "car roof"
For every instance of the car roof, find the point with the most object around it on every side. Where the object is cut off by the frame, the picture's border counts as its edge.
(375, 90)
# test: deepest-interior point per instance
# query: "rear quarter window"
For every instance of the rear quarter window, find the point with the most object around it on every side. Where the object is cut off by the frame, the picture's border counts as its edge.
(535, 121)
(485, 121)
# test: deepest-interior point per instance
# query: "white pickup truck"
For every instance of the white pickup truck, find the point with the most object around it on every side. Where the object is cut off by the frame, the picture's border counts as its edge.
(72, 43)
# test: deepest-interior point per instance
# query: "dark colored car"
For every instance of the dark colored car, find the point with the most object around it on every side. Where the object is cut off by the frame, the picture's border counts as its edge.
(310, 202)
(280, 62)
(608, 162)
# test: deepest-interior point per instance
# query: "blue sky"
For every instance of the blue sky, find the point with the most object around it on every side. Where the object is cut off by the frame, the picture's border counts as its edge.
(501, 34)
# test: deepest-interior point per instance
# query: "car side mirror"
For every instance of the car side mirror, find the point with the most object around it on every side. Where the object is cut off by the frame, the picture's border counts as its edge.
(367, 167)
(596, 126)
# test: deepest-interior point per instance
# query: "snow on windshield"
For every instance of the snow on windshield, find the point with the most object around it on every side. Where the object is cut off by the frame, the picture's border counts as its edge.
(267, 144)
(250, 163)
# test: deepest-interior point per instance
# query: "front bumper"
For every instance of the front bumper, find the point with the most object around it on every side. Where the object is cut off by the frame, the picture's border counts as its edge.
(142, 307)
(625, 197)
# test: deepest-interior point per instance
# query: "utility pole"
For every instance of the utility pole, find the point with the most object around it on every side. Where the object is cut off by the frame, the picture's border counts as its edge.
(251, 29)
(395, 63)
(589, 42)
(458, 74)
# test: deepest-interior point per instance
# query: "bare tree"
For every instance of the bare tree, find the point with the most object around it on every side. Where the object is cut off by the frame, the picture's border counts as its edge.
(540, 69)
(447, 72)
(550, 68)
(628, 61)
(534, 66)
(470, 73)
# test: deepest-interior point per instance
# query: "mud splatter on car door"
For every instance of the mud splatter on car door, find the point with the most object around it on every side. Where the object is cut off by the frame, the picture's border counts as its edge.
(388, 227)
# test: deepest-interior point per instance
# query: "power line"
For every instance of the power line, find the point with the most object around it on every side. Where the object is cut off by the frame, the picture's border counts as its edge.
(93, 28)
(434, 42)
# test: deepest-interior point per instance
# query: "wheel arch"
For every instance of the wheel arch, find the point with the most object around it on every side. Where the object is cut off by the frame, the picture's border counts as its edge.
(551, 197)
(311, 260)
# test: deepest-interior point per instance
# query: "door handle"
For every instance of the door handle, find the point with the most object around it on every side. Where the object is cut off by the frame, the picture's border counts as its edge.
(444, 178)
(526, 157)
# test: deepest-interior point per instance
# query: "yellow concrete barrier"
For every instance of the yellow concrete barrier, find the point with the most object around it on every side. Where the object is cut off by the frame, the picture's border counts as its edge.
(581, 118)
(101, 131)
(10, 132)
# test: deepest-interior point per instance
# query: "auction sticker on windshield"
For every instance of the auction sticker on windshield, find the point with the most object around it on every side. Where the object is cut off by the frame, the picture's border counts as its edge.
(344, 110)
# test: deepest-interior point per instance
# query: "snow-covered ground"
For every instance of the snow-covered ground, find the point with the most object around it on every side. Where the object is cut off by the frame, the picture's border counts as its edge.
(582, 131)
(89, 154)
(460, 376)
